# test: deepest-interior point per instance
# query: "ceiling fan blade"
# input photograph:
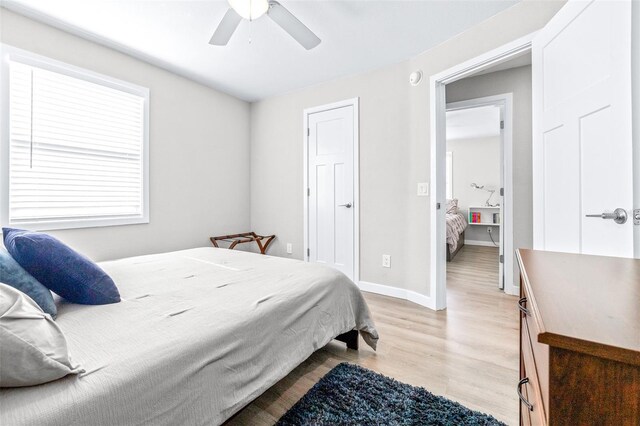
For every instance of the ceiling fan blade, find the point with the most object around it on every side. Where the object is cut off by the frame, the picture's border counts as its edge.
(226, 28)
(292, 25)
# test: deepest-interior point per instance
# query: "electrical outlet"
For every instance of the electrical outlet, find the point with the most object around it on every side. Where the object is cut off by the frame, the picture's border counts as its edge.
(289, 248)
(386, 261)
(489, 229)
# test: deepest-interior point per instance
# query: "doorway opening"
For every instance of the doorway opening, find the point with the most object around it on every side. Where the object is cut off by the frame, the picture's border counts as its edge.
(498, 60)
(478, 186)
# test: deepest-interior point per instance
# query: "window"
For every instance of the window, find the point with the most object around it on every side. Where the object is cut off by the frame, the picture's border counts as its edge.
(449, 178)
(77, 147)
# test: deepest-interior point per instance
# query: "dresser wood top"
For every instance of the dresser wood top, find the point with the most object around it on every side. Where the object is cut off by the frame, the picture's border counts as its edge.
(585, 303)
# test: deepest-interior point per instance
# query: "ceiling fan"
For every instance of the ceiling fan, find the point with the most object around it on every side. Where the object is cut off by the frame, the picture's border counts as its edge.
(253, 9)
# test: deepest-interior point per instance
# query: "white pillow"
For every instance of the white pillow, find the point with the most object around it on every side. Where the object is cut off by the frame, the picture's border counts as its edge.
(452, 206)
(33, 349)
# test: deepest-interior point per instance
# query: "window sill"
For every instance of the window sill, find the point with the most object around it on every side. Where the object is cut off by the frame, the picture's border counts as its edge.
(80, 223)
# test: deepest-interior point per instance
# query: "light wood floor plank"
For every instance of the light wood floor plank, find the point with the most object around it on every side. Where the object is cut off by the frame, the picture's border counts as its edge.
(468, 353)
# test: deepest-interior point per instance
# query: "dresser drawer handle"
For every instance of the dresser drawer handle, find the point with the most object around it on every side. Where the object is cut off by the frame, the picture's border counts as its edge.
(522, 398)
(521, 303)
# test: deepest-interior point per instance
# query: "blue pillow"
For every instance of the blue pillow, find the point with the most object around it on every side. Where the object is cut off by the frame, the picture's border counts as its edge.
(11, 273)
(60, 268)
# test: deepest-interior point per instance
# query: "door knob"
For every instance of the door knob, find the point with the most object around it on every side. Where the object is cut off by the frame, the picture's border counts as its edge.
(348, 205)
(619, 215)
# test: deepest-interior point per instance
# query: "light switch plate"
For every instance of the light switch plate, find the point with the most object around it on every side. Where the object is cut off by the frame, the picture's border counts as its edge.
(423, 189)
(289, 248)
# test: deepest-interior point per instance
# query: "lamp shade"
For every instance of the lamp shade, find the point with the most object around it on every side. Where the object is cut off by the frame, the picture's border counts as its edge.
(250, 9)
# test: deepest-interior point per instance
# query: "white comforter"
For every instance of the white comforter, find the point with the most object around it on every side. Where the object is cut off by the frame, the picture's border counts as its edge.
(198, 335)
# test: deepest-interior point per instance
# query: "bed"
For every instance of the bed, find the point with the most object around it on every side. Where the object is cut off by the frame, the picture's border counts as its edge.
(456, 225)
(199, 334)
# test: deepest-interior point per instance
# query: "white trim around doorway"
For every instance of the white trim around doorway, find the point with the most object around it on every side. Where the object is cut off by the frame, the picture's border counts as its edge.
(437, 143)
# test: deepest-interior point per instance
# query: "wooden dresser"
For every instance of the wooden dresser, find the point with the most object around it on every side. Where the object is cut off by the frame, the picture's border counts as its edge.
(579, 339)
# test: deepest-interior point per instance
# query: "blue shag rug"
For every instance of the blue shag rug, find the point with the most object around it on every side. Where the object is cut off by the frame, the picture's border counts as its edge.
(352, 395)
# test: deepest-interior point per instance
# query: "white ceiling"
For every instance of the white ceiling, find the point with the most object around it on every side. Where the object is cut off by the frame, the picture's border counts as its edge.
(479, 122)
(356, 36)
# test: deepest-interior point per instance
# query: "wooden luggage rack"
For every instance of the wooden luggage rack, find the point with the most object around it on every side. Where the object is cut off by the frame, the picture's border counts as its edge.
(263, 241)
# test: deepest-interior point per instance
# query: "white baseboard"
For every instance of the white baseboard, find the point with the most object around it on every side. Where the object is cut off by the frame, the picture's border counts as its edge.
(479, 243)
(398, 293)
(420, 299)
(385, 290)
(513, 290)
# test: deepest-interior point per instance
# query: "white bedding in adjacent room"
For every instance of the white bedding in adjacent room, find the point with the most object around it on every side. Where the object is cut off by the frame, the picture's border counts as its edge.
(198, 335)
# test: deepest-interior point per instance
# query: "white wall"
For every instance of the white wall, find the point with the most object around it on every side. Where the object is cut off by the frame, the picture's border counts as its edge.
(199, 149)
(277, 167)
(394, 151)
(476, 161)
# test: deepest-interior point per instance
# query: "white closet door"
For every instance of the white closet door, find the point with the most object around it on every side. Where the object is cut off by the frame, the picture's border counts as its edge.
(331, 188)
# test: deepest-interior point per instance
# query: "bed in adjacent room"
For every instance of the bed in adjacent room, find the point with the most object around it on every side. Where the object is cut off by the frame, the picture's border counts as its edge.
(456, 225)
(198, 335)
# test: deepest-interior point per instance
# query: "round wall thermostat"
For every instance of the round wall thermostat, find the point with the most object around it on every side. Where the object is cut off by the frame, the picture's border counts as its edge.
(415, 77)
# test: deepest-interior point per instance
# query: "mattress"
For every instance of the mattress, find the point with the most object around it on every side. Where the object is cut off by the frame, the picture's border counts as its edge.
(456, 224)
(198, 335)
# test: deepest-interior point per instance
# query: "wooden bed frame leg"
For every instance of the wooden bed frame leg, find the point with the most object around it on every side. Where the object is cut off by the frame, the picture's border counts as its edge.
(350, 338)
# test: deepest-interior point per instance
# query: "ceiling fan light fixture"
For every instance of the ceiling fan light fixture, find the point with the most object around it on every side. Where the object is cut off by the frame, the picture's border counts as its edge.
(253, 9)
(250, 9)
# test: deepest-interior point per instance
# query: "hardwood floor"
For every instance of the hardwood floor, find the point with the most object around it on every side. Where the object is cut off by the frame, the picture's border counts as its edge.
(468, 352)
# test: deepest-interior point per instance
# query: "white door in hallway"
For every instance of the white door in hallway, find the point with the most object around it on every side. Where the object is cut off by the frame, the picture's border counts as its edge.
(330, 169)
(582, 139)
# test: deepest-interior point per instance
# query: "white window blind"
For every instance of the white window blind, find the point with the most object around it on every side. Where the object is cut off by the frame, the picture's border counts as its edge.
(76, 151)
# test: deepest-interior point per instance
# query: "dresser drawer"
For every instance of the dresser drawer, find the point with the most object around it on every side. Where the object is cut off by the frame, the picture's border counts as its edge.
(540, 350)
(531, 388)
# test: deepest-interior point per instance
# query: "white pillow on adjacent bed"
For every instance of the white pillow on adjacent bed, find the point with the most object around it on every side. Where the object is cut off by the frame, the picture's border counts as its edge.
(452, 206)
(33, 349)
